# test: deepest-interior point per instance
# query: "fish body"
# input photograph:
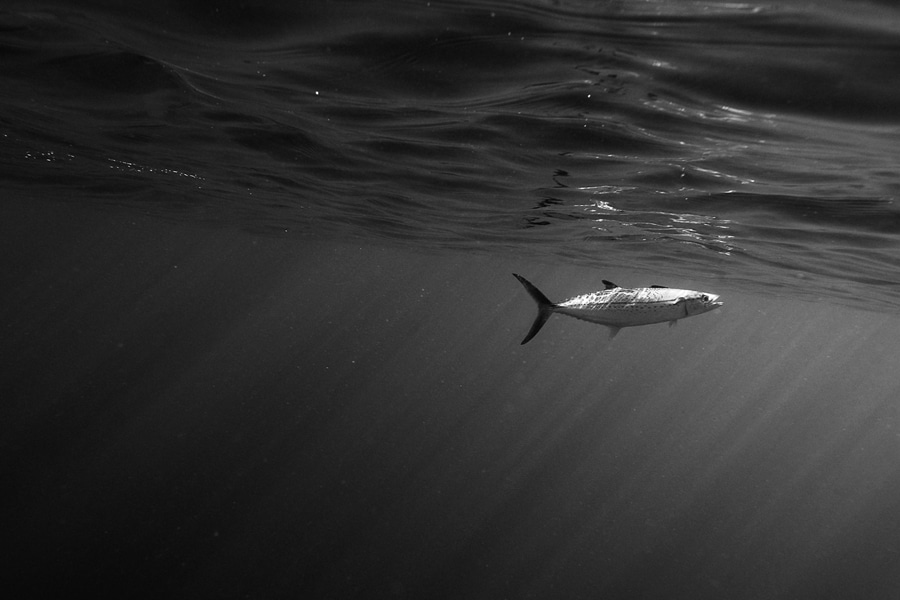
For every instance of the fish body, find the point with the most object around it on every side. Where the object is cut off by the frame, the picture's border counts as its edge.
(618, 307)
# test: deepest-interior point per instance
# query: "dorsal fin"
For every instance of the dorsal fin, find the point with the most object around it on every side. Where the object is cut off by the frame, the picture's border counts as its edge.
(659, 286)
(609, 285)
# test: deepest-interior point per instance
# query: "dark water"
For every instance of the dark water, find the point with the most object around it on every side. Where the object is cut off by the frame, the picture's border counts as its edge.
(260, 337)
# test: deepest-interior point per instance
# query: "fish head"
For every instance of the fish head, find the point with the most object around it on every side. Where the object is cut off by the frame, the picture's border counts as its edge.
(701, 302)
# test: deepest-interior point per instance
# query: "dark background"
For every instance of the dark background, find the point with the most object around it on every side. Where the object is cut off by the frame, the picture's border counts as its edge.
(193, 412)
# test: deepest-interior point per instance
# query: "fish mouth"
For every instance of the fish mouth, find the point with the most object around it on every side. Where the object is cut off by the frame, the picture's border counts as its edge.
(714, 301)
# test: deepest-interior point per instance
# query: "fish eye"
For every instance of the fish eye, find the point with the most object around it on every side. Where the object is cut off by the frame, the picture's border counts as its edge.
(704, 297)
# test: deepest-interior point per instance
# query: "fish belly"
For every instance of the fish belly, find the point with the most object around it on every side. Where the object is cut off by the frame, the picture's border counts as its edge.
(626, 315)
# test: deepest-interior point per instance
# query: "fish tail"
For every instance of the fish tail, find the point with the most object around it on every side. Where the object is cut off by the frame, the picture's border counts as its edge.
(545, 307)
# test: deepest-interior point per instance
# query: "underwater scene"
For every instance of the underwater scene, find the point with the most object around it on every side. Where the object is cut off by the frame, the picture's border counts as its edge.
(262, 338)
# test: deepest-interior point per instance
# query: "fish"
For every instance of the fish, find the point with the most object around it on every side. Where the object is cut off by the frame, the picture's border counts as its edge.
(617, 307)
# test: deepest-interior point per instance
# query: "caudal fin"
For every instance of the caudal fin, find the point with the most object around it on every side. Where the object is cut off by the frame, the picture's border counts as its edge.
(545, 307)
